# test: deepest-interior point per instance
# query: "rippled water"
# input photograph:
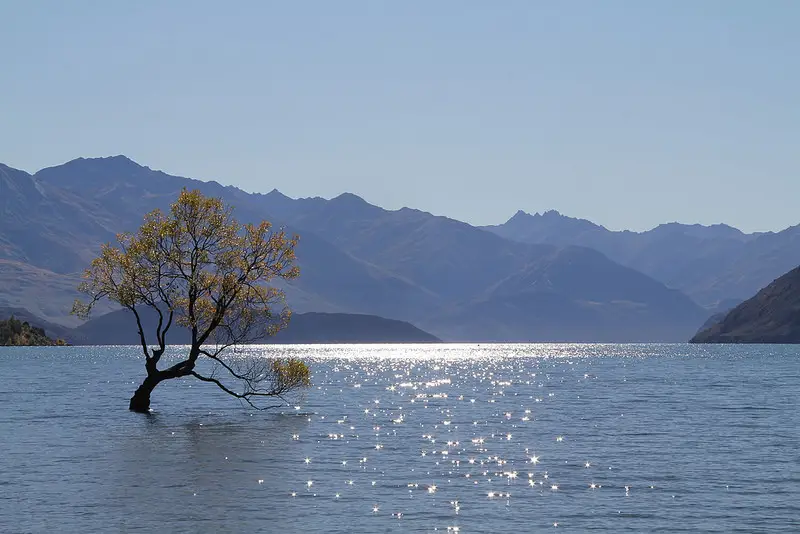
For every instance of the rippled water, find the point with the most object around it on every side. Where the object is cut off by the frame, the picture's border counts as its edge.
(446, 438)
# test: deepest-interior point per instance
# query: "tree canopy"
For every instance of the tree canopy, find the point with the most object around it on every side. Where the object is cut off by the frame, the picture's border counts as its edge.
(200, 269)
(20, 333)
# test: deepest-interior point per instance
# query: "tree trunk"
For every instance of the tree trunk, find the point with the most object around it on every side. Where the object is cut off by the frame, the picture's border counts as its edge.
(140, 402)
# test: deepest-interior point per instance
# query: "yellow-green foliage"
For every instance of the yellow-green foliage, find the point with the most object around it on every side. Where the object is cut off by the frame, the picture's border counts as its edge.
(290, 374)
(199, 268)
(14, 332)
(199, 261)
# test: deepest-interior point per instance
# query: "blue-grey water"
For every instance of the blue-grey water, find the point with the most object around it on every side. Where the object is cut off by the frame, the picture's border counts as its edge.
(444, 438)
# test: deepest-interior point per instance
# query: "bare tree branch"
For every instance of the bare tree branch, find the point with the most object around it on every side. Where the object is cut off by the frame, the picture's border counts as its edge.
(243, 396)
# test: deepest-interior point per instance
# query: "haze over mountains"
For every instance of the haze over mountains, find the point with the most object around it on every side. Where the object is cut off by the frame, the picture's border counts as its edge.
(534, 278)
(717, 266)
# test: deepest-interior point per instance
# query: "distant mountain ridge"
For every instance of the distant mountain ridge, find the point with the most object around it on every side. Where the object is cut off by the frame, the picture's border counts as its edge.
(715, 265)
(119, 328)
(454, 280)
(332, 281)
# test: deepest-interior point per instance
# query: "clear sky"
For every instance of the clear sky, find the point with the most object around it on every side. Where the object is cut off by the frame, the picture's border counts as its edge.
(629, 113)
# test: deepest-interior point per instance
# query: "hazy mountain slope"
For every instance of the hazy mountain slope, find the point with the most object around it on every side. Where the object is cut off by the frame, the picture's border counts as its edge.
(546, 292)
(119, 328)
(45, 294)
(48, 227)
(708, 263)
(331, 279)
(447, 257)
(771, 316)
(577, 294)
(761, 261)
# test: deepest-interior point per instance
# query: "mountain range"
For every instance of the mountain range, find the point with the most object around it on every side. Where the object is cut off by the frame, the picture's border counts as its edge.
(717, 266)
(535, 278)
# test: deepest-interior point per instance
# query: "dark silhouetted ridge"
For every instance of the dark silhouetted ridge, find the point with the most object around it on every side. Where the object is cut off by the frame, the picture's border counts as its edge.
(772, 316)
(119, 328)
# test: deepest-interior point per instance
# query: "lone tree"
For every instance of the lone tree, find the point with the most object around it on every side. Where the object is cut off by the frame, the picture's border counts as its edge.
(197, 267)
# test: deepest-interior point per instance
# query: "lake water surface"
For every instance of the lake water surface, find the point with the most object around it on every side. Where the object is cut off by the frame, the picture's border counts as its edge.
(439, 438)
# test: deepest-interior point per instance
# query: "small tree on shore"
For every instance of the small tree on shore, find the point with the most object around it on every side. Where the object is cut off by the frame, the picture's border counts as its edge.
(197, 267)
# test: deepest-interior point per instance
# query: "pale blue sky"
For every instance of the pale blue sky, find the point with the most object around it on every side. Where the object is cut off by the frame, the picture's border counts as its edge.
(629, 113)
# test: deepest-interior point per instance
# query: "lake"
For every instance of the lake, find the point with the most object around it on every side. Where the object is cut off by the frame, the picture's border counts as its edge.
(393, 438)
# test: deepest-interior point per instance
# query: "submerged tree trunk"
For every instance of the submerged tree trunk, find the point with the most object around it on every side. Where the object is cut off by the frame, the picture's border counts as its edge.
(140, 402)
